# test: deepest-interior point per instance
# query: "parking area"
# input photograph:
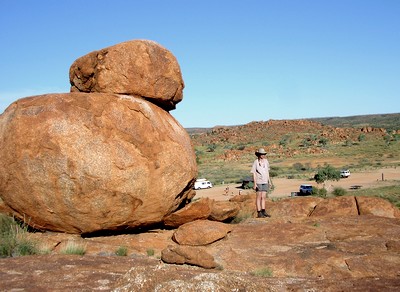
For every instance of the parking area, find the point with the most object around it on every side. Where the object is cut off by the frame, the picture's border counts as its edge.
(284, 187)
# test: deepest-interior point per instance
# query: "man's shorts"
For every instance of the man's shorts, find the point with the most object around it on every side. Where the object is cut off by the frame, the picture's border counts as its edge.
(262, 188)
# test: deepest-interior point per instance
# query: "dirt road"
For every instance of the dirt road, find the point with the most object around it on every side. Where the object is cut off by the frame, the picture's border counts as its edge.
(284, 187)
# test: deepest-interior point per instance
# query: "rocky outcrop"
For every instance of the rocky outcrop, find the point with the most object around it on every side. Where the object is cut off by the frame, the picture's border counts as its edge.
(300, 207)
(339, 206)
(104, 158)
(321, 253)
(194, 211)
(82, 162)
(191, 255)
(223, 211)
(139, 68)
(204, 208)
(201, 232)
(377, 207)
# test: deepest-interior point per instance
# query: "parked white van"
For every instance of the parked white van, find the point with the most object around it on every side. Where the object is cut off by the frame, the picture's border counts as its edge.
(202, 183)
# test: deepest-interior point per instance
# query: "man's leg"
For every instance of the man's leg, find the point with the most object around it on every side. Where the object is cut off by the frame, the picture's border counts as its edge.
(263, 199)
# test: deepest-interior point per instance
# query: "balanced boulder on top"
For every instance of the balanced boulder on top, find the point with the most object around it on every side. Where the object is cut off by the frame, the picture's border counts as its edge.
(140, 68)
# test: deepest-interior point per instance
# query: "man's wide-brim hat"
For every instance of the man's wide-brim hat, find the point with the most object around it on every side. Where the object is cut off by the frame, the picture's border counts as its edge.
(261, 151)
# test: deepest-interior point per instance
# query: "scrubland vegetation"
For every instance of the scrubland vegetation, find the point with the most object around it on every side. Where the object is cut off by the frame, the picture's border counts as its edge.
(302, 149)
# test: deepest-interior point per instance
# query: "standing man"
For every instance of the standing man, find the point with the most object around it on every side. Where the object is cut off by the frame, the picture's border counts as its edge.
(260, 171)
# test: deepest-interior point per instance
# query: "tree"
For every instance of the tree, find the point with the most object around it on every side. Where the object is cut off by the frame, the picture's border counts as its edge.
(326, 173)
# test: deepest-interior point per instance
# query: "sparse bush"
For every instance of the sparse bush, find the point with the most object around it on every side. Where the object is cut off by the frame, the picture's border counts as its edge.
(74, 248)
(285, 141)
(274, 172)
(13, 241)
(122, 251)
(150, 252)
(348, 143)
(241, 147)
(298, 166)
(323, 141)
(338, 191)
(211, 147)
(242, 216)
(25, 247)
(306, 143)
(319, 192)
(264, 272)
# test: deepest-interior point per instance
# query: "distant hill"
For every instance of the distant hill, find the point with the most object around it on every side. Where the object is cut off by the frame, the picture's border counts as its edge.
(386, 121)
(223, 152)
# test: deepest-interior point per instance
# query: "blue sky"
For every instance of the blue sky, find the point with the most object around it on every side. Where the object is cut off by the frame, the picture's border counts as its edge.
(241, 61)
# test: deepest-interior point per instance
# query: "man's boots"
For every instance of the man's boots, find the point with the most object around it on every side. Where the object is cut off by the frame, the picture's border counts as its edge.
(265, 214)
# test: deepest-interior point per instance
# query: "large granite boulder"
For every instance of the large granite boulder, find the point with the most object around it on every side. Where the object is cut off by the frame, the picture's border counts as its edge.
(139, 68)
(85, 162)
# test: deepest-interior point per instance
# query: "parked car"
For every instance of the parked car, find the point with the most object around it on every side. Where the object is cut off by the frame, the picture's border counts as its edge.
(305, 190)
(247, 183)
(344, 173)
(202, 183)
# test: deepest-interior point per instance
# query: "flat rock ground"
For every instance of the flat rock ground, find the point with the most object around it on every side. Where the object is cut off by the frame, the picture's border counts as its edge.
(341, 253)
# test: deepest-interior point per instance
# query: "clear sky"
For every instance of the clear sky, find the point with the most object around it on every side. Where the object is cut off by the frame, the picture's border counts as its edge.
(241, 61)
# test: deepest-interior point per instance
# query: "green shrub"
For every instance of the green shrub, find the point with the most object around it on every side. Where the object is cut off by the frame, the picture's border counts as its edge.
(26, 247)
(322, 192)
(74, 248)
(13, 240)
(273, 173)
(338, 191)
(348, 142)
(285, 141)
(211, 147)
(242, 216)
(150, 252)
(323, 141)
(361, 137)
(387, 139)
(241, 147)
(7, 245)
(122, 251)
(264, 272)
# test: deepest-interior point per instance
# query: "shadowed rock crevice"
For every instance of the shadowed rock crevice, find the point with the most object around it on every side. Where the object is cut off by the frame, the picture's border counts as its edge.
(358, 207)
